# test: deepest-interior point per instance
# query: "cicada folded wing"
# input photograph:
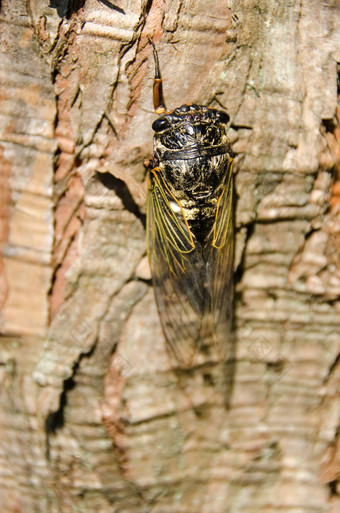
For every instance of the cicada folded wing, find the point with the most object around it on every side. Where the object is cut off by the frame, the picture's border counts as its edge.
(178, 272)
(221, 268)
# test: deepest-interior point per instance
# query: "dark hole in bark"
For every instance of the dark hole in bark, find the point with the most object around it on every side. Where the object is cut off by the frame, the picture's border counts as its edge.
(55, 420)
(329, 124)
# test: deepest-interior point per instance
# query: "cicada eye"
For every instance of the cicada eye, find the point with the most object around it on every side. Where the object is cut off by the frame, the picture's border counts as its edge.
(160, 124)
(222, 116)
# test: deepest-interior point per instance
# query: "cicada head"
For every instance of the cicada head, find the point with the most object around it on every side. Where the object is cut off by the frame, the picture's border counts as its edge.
(189, 127)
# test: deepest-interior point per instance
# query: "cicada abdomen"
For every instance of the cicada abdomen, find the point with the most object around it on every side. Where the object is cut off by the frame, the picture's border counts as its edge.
(190, 228)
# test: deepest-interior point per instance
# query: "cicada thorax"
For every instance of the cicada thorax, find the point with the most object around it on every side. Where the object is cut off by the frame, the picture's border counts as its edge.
(190, 227)
(197, 184)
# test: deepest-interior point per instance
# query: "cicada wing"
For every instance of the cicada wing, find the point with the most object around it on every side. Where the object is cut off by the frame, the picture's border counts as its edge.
(177, 271)
(221, 268)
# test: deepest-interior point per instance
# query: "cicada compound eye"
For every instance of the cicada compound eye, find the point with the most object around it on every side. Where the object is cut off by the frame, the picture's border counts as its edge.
(160, 124)
(222, 116)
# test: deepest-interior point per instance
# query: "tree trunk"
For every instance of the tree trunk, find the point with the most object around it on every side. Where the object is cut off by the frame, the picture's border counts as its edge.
(95, 416)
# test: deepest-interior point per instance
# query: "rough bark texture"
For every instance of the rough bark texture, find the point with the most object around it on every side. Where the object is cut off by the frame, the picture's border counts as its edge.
(93, 415)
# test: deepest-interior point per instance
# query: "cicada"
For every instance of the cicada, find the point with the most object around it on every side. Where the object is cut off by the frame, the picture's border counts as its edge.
(190, 227)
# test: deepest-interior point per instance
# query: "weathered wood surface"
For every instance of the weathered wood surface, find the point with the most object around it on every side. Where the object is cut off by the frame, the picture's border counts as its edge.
(93, 415)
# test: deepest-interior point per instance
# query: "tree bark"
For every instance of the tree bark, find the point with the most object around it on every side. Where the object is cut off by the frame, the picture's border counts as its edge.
(94, 414)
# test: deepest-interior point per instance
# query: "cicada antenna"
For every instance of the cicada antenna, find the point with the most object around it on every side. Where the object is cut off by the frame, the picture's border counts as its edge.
(158, 97)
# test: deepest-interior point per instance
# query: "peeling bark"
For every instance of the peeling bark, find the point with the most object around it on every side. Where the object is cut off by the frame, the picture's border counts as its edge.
(94, 414)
